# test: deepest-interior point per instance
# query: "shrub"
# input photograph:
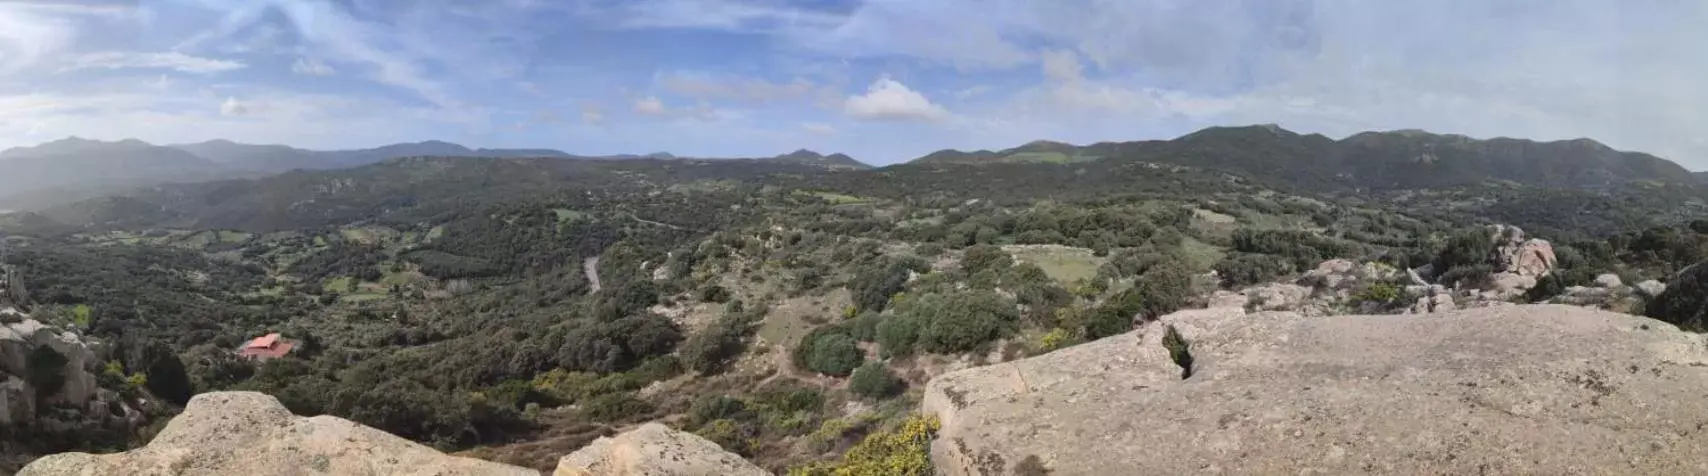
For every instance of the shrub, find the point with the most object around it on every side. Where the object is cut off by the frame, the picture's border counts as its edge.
(734, 436)
(716, 407)
(874, 381)
(714, 293)
(1380, 293)
(898, 334)
(1243, 269)
(1164, 289)
(615, 407)
(834, 354)
(985, 257)
(1467, 248)
(963, 321)
(1685, 301)
(714, 347)
(1470, 276)
(46, 370)
(904, 451)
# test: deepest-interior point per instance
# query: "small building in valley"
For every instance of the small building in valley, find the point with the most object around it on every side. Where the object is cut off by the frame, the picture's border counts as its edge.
(269, 346)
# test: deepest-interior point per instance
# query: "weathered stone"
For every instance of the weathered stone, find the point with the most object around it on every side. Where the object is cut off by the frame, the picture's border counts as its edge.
(251, 433)
(1509, 284)
(1608, 280)
(1540, 389)
(1228, 299)
(654, 450)
(1281, 296)
(1651, 288)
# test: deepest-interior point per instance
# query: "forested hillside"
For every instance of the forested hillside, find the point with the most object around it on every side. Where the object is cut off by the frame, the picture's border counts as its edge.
(785, 308)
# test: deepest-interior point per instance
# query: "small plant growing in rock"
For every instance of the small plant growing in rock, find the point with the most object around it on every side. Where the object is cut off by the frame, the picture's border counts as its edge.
(1179, 350)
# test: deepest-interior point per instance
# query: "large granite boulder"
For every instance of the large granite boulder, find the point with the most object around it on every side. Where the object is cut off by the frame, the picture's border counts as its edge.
(1540, 389)
(250, 433)
(655, 450)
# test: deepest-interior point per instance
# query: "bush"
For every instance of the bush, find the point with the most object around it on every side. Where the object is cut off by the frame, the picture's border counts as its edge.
(1685, 301)
(1242, 269)
(714, 293)
(713, 348)
(961, 322)
(716, 407)
(834, 355)
(985, 257)
(615, 407)
(898, 335)
(1164, 289)
(904, 451)
(874, 381)
(46, 370)
(1470, 276)
(1380, 293)
(1467, 248)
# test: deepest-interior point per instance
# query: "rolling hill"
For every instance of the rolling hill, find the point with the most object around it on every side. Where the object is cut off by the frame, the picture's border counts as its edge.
(1403, 159)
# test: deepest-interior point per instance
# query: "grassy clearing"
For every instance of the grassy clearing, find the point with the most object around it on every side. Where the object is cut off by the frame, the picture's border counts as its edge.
(793, 318)
(1064, 264)
(565, 214)
(1202, 255)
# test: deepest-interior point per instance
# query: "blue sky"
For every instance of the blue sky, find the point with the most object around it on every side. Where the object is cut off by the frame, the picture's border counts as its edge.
(882, 80)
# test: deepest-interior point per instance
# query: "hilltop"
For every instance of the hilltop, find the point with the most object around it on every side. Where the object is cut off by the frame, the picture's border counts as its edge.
(1405, 159)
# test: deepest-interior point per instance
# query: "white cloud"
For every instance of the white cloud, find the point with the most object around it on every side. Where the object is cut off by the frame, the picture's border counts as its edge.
(232, 107)
(650, 106)
(171, 60)
(27, 35)
(311, 67)
(818, 128)
(890, 100)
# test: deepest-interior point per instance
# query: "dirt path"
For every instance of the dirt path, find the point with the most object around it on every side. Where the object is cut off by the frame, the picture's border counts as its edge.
(591, 267)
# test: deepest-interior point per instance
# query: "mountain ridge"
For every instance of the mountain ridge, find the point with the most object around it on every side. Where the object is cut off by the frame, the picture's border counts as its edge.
(1398, 159)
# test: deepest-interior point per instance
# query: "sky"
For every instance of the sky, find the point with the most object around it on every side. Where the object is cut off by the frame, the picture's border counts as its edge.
(882, 80)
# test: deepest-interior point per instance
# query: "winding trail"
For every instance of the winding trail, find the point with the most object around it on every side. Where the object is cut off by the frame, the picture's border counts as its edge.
(591, 267)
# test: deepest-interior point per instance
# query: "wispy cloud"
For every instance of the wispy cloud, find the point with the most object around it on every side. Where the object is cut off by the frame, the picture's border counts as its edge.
(170, 60)
(311, 67)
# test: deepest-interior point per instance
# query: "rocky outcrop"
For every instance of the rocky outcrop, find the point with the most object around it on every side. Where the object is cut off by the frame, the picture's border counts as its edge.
(251, 433)
(1539, 389)
(26, 346)
(1533, 258)
(654, 450)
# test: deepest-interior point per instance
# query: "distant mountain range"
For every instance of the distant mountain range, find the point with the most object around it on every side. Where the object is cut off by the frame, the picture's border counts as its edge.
(74, 168)
(1379, 160)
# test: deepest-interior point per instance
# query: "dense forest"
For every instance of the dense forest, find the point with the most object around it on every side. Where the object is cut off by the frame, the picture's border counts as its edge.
(516, 308)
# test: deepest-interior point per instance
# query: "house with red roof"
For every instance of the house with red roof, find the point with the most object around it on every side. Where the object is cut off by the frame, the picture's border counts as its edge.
(269, 346)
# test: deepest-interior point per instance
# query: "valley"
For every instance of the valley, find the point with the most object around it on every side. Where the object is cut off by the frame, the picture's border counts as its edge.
(516, 305)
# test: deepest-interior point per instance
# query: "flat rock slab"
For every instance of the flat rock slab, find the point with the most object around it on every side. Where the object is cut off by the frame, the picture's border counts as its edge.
(655, 450)
(1543, 389)
(247, 433)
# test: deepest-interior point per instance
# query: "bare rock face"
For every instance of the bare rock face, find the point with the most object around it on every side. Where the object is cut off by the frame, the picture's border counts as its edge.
(1538, 389)
(655, 450)
(1532, 258)
(251, 433)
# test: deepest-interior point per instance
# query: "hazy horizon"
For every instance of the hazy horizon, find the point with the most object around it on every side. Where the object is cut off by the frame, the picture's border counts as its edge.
(875, 79)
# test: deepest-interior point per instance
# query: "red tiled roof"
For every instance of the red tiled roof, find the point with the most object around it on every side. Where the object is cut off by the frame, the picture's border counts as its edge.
(263, 342)
(273, 352)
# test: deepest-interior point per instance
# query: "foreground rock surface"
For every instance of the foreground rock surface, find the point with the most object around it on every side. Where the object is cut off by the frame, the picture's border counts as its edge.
(252, 434)
(655, 450)
(1543, 389)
